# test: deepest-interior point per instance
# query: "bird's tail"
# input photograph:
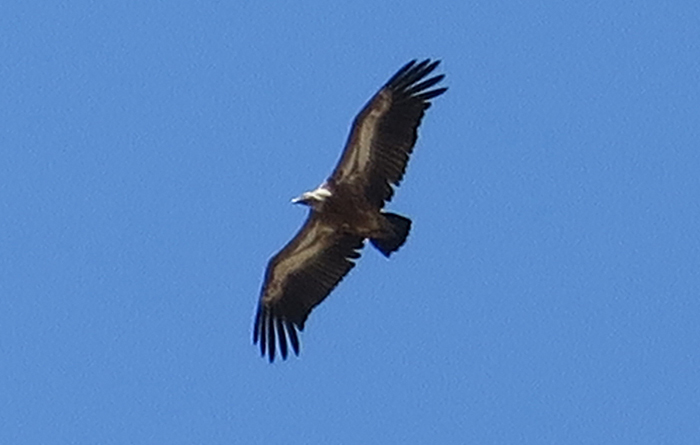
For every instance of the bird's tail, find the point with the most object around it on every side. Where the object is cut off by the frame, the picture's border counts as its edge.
(399, 226)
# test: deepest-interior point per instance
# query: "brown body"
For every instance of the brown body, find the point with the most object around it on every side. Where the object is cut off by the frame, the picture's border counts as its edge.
(350, 213)
(346, 209)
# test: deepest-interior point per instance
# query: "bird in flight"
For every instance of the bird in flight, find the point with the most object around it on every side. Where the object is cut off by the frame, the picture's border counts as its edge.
(346, 209)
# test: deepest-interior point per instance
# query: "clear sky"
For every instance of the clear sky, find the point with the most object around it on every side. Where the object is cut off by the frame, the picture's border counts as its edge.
(548, 292)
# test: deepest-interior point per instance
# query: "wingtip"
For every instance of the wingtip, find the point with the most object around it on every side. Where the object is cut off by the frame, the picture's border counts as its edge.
(411, 73)
(275, 334)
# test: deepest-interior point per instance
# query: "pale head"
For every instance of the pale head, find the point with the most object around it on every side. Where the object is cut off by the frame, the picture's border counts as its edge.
(314, 197)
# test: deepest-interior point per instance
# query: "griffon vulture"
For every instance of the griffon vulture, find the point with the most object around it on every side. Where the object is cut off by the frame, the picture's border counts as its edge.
(346, 209)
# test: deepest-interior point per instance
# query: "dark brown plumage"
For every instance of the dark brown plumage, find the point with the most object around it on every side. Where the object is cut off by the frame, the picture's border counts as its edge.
(346, 209)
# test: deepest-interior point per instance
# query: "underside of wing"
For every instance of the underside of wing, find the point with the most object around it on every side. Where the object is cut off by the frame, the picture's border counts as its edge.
(297, 279)
(385, 131)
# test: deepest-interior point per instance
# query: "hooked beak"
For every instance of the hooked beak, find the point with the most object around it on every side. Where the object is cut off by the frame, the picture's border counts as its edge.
(300, 199)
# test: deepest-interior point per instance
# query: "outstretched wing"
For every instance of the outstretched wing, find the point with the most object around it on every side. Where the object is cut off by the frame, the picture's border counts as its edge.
(385, 131)
(298, 278)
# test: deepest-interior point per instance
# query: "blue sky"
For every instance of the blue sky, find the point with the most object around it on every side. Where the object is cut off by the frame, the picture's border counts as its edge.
(548, 292)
